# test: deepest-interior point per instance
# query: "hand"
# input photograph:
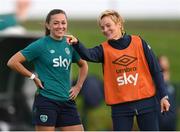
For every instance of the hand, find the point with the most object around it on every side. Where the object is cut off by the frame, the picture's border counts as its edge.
(74, 91)
(164, 104)
(38, 83)
(71, 39)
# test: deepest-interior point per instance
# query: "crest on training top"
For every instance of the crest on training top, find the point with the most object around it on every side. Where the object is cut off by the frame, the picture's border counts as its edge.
(43, 118)
(67, 51)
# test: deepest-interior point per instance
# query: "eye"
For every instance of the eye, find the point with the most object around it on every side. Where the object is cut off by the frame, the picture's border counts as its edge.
(63, 22)
(108, 25)
(102, 27)
(56, 23)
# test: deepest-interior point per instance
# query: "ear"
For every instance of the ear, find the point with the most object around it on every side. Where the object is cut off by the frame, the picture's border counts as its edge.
(47, 25)
(119, 24)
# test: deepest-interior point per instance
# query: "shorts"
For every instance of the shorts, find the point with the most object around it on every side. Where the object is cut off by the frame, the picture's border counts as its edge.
(49, 112)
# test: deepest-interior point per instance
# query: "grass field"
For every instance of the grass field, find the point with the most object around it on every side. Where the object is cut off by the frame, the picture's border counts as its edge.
(162, 35)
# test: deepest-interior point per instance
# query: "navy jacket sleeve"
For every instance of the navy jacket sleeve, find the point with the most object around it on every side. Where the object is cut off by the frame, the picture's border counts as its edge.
(155, 70)
(92, 54)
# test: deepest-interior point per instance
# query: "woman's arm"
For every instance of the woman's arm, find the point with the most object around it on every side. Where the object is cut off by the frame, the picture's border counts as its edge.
(155, 70)
(15, 63)
(92, 54)
(157, 76)
(83, 71)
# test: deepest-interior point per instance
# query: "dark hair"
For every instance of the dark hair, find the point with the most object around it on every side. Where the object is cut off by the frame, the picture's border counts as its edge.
(48, 18)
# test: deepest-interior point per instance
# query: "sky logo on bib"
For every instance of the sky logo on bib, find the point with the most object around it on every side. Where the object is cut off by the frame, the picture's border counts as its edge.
(61, 62)
(130, 79)
(43, 118)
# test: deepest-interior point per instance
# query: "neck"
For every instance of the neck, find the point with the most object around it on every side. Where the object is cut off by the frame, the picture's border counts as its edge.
(56, 38)
(118, 37)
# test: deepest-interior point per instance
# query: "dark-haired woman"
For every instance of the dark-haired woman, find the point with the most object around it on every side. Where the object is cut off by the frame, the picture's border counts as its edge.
(52, 56)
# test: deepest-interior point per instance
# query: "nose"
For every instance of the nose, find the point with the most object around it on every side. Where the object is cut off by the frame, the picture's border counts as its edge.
(60, 25)
(105, 29)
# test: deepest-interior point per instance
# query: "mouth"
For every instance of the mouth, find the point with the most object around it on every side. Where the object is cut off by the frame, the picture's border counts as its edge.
(108, 35)
(60, 31)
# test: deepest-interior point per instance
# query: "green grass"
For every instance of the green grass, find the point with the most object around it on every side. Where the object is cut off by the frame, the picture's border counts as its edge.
(162, 35)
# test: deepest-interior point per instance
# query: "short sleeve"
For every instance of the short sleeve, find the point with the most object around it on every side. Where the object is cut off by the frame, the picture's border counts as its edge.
(32, 51)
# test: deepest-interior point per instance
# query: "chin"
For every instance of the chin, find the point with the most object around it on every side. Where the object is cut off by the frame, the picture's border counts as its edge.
(109, 38)
(60, 35)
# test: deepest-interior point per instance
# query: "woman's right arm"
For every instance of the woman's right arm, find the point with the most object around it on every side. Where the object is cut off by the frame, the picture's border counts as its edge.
(15, 63)
(92, 54)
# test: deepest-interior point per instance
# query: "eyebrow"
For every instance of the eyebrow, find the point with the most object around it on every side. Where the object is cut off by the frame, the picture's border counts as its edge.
(59, 20)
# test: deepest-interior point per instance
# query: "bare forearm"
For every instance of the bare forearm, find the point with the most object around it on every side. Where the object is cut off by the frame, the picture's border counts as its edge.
(18, 67)
(15, 63)
(83, 71)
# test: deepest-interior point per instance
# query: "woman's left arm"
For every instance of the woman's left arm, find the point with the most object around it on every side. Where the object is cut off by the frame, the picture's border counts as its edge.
(83, 71)
(157, 76)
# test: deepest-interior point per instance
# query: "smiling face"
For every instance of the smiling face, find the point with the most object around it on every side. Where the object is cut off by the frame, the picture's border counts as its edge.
(109, 28)
(57, 25)
(111, 24)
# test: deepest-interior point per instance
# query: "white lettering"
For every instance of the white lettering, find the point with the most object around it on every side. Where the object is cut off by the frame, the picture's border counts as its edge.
(60, 62)
(123, 80)
(120, 81)
(56, 62)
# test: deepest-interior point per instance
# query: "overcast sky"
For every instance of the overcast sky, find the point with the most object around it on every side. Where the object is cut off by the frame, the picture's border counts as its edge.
(88, 9)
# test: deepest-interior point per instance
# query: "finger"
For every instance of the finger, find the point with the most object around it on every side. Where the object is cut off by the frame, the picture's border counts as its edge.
(68, 40)
(41, 86)
(39, 83)
(71, 90)
(162, 108)
(68, 36)
(71, 96)
(75, 97)
(166, 108)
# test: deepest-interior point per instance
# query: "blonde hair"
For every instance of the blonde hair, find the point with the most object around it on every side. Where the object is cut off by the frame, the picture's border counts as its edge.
(115, 17)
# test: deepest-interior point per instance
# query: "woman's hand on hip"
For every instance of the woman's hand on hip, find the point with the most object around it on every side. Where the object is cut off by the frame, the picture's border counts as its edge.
(74, 91)
(38, 83)
(164, 104)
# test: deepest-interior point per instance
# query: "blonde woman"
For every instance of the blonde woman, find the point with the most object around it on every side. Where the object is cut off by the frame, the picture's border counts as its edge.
(131, 74)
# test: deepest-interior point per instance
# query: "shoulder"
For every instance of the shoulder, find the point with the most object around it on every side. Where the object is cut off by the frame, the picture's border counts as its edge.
(36, 45)
(43, 40)
(144, 43)
(135, 37)
(40, 41)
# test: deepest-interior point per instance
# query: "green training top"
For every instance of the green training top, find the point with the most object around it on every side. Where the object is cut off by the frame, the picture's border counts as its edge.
(52, 60)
